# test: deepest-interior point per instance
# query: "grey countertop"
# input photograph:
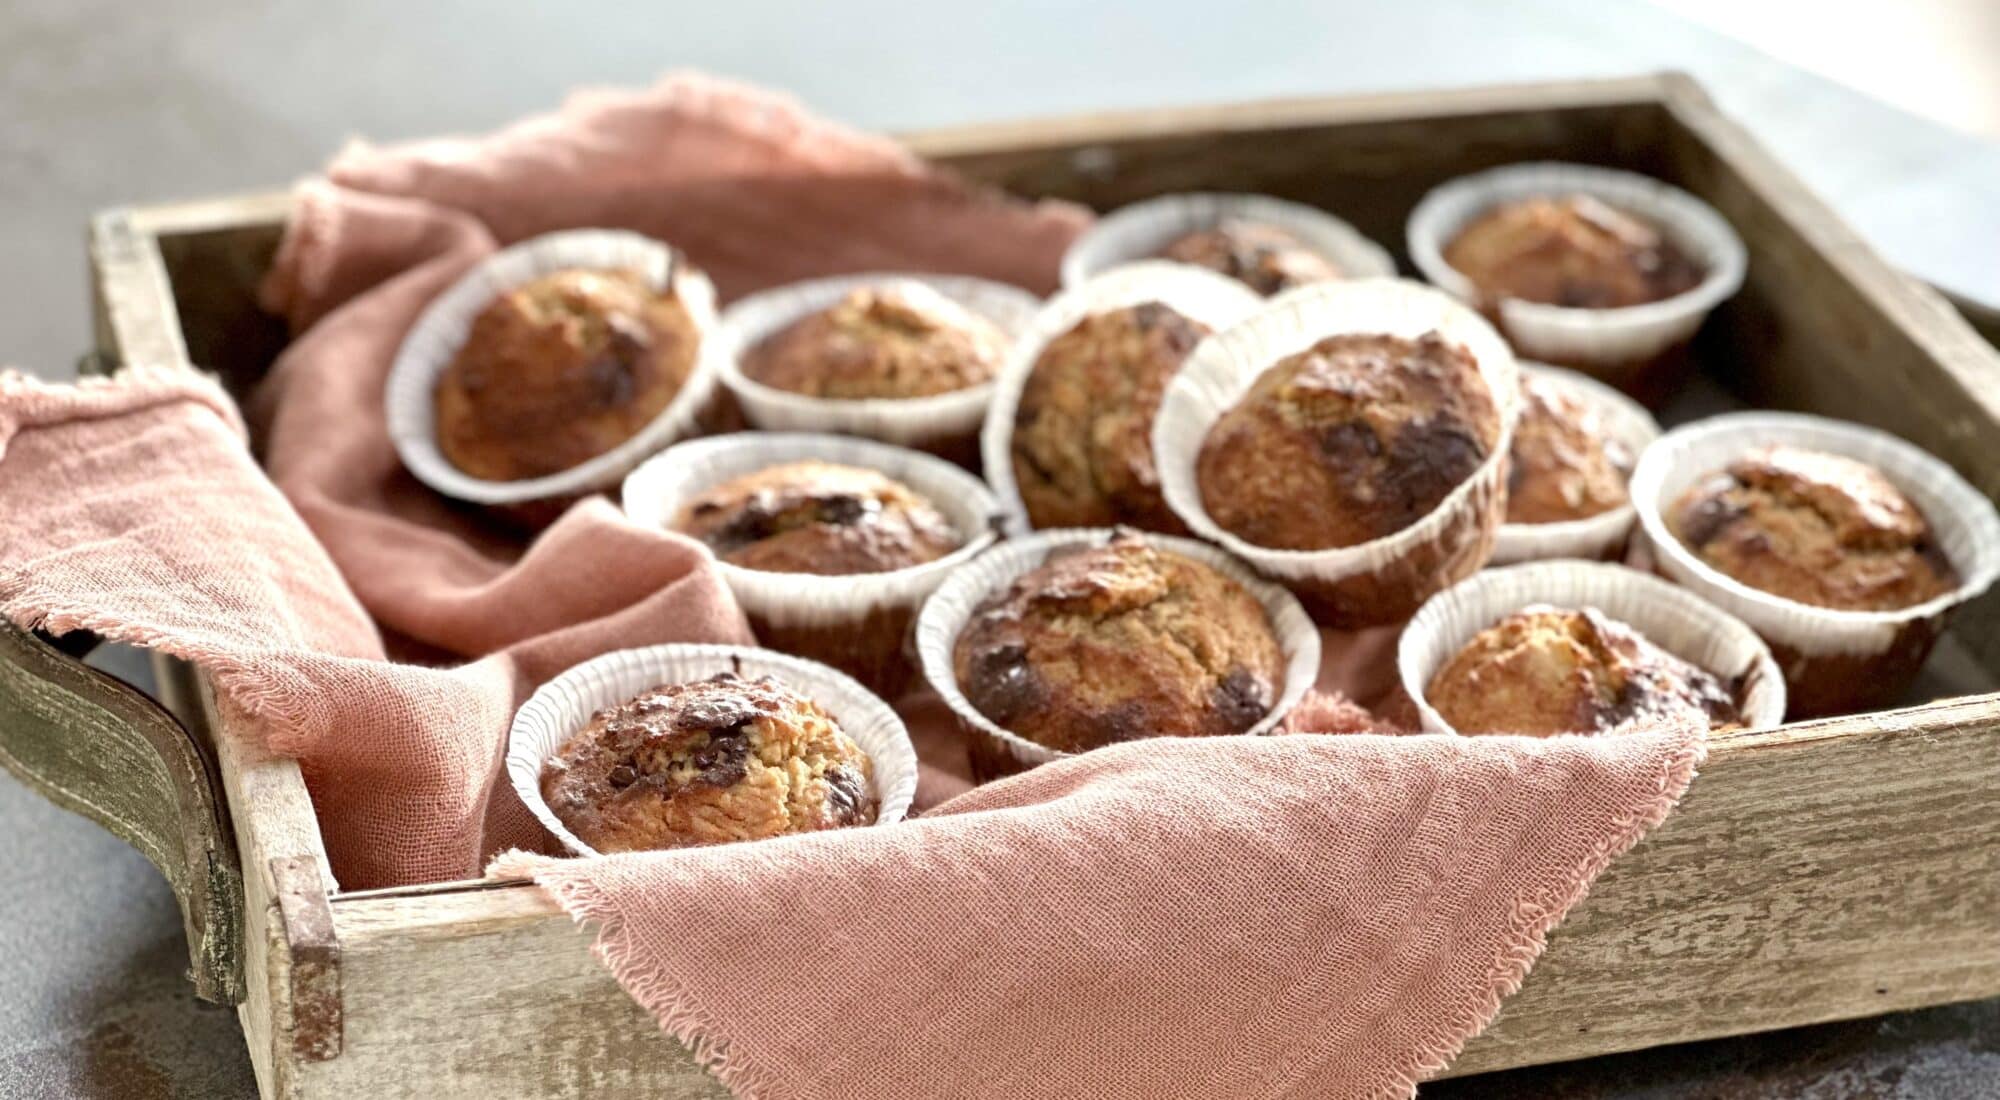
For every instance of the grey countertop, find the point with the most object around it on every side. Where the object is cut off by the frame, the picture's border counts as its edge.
(104, 103)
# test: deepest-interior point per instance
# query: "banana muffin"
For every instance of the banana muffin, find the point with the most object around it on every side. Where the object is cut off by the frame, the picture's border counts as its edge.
(884, 341)
(819, 517)
(1563, 464)
(1818, 528)
(1263, 257)
(1545, 670)
(1571, 250)
(1352, 439)
(1082, 444)
(560, 370)
(1120, 642)
(709, 762)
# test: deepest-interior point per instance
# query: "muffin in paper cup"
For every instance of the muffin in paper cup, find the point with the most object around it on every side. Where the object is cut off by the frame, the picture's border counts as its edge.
(859, 623)
(995, 751)
(1139, 231)
(1383, 580)
(945, 424)
(565, 705)
(1602, 535)
(1216, 301)
(1834, 661)
(1672, 618)
(1630, 347)
(441, 330)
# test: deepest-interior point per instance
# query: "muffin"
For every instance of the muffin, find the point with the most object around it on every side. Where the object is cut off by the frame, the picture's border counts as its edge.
(560, 370)
(879, 342)
(1814, 527)
(708, 762)
(1564, 463)
(1572, 250)
(1082, 448)
(1263, 257)
(1545, 670)
(818, 517)
(1118, 642)
(1352, 439)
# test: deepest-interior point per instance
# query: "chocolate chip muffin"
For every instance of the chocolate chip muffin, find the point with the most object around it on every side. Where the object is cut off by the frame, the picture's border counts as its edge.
(1564, 464)
(1082, 445)
(880, 342)
(1545, 670)
(1352, 439)
(819, 517)
(1263, 257)
(717, 760)
(1570, 250)
(1818, 528)
(560, 370)
(1120, 642)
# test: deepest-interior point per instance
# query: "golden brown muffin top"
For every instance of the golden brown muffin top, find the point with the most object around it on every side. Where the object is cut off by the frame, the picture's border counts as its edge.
(879, 342)
(1083, 436)
(1564, 464)
(818, 517)
(1818, 528)
(1263, 257)
(1573, 251)
(1352, 439)
(713, 761)
(1546, 670)
(1116, 643)
(560, 370)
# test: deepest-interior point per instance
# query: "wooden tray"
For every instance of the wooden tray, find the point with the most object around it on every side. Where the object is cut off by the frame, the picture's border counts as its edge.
(1824, 870)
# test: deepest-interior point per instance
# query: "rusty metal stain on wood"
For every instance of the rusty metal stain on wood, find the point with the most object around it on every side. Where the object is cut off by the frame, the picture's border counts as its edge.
(307, 923)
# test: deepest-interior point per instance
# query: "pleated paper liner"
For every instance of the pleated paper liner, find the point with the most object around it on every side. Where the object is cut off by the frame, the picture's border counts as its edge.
(1140, 230)
(565, 705)
(1602, 535)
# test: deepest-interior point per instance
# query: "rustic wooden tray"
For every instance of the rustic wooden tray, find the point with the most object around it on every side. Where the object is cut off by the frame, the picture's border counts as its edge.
(1824, 870)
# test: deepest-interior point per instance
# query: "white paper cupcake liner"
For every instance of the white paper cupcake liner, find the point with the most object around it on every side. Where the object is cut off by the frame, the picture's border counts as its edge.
(1674, 619)
(441, 331)
(1962, 521)
(909, 421)
(564, 705)
(1223, 367)
(1140, 230)
(1625, 421)
(1216, 301)
(946, 613)
(1613, 338)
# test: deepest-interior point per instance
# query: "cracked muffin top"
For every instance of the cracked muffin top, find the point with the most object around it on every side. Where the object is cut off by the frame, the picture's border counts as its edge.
(1571, 250)
(1352, 439)
(1563, 464)
(1814, 527)
(818, 517)
(1545, 670)
(1083, 436)
(708, 762)
(560, 370)
(880, 342)
(1116, 643)
(1262, 257)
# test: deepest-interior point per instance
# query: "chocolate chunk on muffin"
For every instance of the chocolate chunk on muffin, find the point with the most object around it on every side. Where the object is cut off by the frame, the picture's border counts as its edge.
(819, 517)
(708, 762)
(1352, 439)
(1263, 257)
(1120, 642)
(1545, 670)
(886, 341)
(1564, 464)
(1570, 250)
(560, 370)
(1082, 444)
(1818, 528)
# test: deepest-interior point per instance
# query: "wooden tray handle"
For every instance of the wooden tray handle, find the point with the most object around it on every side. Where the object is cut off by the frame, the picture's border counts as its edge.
(92, 744)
